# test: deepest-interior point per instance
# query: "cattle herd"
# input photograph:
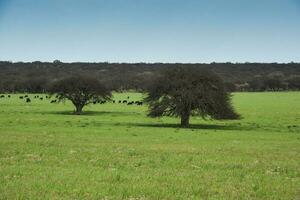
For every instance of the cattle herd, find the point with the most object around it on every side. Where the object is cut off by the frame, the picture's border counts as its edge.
(41, 98)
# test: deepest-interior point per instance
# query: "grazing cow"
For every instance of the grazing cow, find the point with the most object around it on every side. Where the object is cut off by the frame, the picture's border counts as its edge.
(26, 96)
(94, 102)
(2, 96)
(53, 101)
(114, 101)
(21, 97)
(128, 97)
(120, 101)
(41, 98)
(130, 103)
(8, 96)
(28, 100)
(139, 103)
(125, 101)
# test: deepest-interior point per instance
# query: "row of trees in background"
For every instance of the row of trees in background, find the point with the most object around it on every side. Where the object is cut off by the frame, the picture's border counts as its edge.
(37, 76)
(180, 92)
(275, 81)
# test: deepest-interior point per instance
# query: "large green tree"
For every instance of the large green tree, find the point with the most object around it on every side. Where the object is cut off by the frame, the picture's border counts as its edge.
(186, 91)
(80, 90)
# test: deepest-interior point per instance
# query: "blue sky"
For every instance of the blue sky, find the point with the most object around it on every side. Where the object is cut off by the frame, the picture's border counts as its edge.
(150, 30)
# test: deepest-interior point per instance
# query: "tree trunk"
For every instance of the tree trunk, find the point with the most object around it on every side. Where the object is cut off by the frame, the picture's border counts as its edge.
(185, 119)
(78, 109)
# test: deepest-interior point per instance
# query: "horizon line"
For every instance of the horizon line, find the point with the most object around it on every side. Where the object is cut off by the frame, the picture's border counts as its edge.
(144, 62)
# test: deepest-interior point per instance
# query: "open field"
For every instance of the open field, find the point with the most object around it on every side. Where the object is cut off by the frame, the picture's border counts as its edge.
(114, 151)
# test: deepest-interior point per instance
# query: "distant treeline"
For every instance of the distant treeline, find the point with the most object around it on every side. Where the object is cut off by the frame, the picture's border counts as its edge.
(37, 76)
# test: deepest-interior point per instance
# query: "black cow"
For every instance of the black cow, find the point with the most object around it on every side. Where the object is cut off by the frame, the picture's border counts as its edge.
(53, 101)
(21, 97)
(125, 101)
(28, 100)
(139, 103)
(41, 98)
(130, 103)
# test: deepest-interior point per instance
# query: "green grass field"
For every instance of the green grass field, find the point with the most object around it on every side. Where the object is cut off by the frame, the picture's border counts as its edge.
(114, 151)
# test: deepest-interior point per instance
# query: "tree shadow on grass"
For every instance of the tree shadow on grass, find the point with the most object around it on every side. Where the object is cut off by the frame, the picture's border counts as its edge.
(237, 126)
(192, 126)
(84, 113)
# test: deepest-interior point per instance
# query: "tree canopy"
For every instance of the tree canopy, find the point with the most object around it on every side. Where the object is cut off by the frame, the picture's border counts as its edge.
(80, 90)
(186, 91)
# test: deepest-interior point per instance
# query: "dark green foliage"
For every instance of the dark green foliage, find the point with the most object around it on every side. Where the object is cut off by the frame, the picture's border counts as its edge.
(184, 91)
(294, 82)
(80, 90)
(35, 77)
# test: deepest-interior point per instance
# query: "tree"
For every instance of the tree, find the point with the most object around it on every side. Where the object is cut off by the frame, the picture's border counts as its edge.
(57, 62)
(273, 84)
(80, 90)
(294, 82)
(186, 91)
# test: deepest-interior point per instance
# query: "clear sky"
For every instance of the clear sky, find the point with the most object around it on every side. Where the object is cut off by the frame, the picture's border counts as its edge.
(150, 30)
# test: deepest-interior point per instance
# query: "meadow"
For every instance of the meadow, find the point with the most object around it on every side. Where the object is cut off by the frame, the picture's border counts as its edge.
(114, 151)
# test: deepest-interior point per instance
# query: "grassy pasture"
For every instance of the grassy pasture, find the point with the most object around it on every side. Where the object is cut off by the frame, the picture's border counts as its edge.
(114, 151)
